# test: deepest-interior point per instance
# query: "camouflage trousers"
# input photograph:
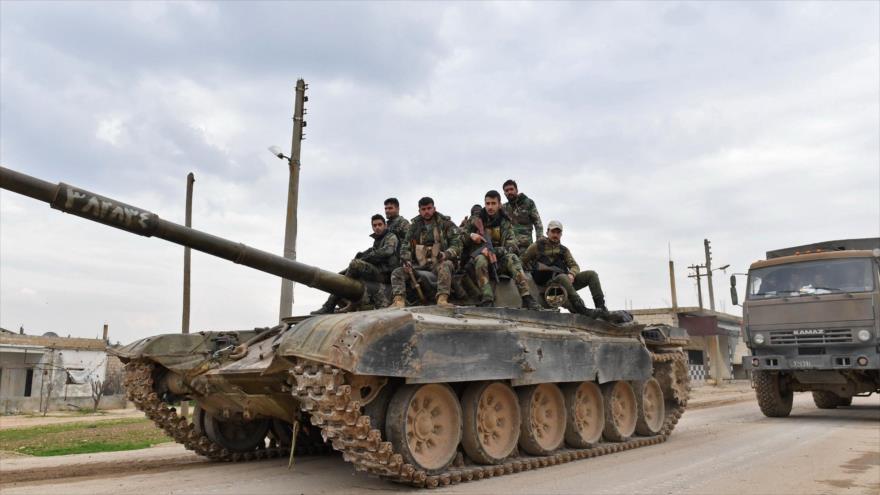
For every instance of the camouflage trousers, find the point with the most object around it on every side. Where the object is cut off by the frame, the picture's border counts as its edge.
(507, 265)
(364, 270)
(587, 278)
(443, 271)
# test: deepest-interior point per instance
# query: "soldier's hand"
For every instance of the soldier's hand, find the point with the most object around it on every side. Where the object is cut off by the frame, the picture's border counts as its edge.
(477, 238)
(407, 266)
(570, 277)
(441, 256)
(485, 252)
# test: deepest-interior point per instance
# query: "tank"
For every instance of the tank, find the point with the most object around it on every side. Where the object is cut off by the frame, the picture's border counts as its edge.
(424, 395)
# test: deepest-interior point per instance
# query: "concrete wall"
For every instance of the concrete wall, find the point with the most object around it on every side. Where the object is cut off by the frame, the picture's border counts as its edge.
(27, 405)
(15, 366)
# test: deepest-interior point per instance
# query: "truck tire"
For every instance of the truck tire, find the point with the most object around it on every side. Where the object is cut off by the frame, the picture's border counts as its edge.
(774, 395)
(826, 400)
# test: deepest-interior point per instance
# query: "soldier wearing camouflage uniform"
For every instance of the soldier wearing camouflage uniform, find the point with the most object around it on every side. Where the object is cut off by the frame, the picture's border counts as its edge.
(431, 243)
(560, 267)
(497, 228)
(396, 223)
(373, 265)
(523, 215)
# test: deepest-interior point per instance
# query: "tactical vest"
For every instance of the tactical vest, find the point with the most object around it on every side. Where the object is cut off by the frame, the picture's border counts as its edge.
(557, 261)
(428, 245)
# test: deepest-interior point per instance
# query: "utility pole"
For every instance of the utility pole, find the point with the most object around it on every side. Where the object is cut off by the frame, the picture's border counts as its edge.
(697, 275)
(190, 179)
(293, 194)
(709, 274)
(672, 281)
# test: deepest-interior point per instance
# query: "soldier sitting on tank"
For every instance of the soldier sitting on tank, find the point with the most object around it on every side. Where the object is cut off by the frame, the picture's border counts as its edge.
(490, 240)
(523, 215)
(432, 242)
(549, 261)
(396, 223)
(373, 265)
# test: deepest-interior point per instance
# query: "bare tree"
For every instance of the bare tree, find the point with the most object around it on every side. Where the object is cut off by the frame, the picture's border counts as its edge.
(99, 388)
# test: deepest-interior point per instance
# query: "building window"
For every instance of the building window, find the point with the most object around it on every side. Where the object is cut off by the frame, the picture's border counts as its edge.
(28, 382)
(695, 357)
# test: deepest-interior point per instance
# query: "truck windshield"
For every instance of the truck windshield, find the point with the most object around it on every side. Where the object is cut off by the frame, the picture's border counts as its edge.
(811, 278)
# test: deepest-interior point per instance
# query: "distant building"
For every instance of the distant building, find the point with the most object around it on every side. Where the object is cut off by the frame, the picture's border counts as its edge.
(39, 373)
(715, 338)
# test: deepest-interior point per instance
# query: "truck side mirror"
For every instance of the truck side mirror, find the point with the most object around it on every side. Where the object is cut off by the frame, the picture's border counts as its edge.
(734, 298)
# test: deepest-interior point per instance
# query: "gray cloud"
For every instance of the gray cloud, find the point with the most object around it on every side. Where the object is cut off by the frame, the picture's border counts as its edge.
(636, 124)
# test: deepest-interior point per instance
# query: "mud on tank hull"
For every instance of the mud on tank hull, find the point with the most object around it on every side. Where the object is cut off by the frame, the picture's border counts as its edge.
(426, 396)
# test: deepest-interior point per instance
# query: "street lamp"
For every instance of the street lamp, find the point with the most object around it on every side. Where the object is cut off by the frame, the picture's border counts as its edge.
(277, 152)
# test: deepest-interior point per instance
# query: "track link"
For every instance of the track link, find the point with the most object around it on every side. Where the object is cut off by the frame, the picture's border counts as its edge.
(139, 389)
(324, 395)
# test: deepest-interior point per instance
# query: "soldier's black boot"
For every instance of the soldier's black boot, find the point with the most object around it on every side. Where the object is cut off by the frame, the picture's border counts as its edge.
(529, 302)
(486, 303)
(577, 306)
(328, 308)
(599, 303)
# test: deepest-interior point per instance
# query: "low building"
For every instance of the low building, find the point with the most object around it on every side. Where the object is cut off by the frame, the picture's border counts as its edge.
(48, 372)
(715, 338)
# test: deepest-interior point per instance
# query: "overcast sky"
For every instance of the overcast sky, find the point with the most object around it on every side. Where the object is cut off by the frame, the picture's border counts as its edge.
(638, 125)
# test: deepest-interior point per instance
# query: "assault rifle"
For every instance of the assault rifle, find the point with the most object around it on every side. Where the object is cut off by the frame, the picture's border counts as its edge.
(493, 258)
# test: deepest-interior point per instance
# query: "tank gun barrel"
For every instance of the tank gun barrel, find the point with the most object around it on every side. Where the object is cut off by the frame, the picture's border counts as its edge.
(82, 203)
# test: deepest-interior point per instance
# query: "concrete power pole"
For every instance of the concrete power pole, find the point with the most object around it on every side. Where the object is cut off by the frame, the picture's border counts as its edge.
(697, 276)
(709, 274)
(293, 194)
(190, 179)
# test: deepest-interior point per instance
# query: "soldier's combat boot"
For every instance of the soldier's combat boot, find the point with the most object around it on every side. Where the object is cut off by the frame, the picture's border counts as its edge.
(443, 300)
(486, 302)
(577, 306)
(599, 303)
(529, 302)
(398, 302)
(328, 307)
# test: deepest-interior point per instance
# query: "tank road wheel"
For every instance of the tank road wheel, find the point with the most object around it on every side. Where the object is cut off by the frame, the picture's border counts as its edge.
(491, 421)
(424, 425)
(234, 436)
(620, 411)
(826, 400)
(650, 406)
(774, 395)
(585, 414)
(542, 428)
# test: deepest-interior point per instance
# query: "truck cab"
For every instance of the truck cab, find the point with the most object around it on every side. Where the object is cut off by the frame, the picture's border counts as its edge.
(811, 319)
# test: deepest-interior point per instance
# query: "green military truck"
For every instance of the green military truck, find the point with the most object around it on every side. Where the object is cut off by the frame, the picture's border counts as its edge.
(811, 319)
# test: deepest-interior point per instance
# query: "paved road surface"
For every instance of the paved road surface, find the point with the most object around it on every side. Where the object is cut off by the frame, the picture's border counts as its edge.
(729, 449)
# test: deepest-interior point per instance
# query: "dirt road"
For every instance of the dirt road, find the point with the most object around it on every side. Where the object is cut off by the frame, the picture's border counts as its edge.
(731, 449)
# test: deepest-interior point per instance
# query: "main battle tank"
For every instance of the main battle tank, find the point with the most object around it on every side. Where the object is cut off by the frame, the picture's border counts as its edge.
(425, 395)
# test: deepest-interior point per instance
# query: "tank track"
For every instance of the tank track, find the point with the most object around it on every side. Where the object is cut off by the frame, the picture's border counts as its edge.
(139, 389)
(322, 393)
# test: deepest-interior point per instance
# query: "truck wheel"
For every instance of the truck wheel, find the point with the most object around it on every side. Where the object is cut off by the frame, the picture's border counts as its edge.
(826, 400)
(774, 395)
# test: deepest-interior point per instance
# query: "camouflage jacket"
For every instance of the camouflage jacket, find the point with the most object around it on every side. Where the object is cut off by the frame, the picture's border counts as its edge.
(524, 215)
(420, 233)
(551, 254)
(499, 229)
(399, 226)
(383, 254)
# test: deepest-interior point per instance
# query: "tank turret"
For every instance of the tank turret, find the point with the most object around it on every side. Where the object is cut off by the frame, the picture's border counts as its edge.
(101, 209)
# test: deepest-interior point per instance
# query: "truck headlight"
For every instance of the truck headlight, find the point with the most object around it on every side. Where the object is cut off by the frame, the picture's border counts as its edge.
(758, 338)
(864, 335)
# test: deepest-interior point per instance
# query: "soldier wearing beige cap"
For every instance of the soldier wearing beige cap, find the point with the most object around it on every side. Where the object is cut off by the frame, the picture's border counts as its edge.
(549, 261)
